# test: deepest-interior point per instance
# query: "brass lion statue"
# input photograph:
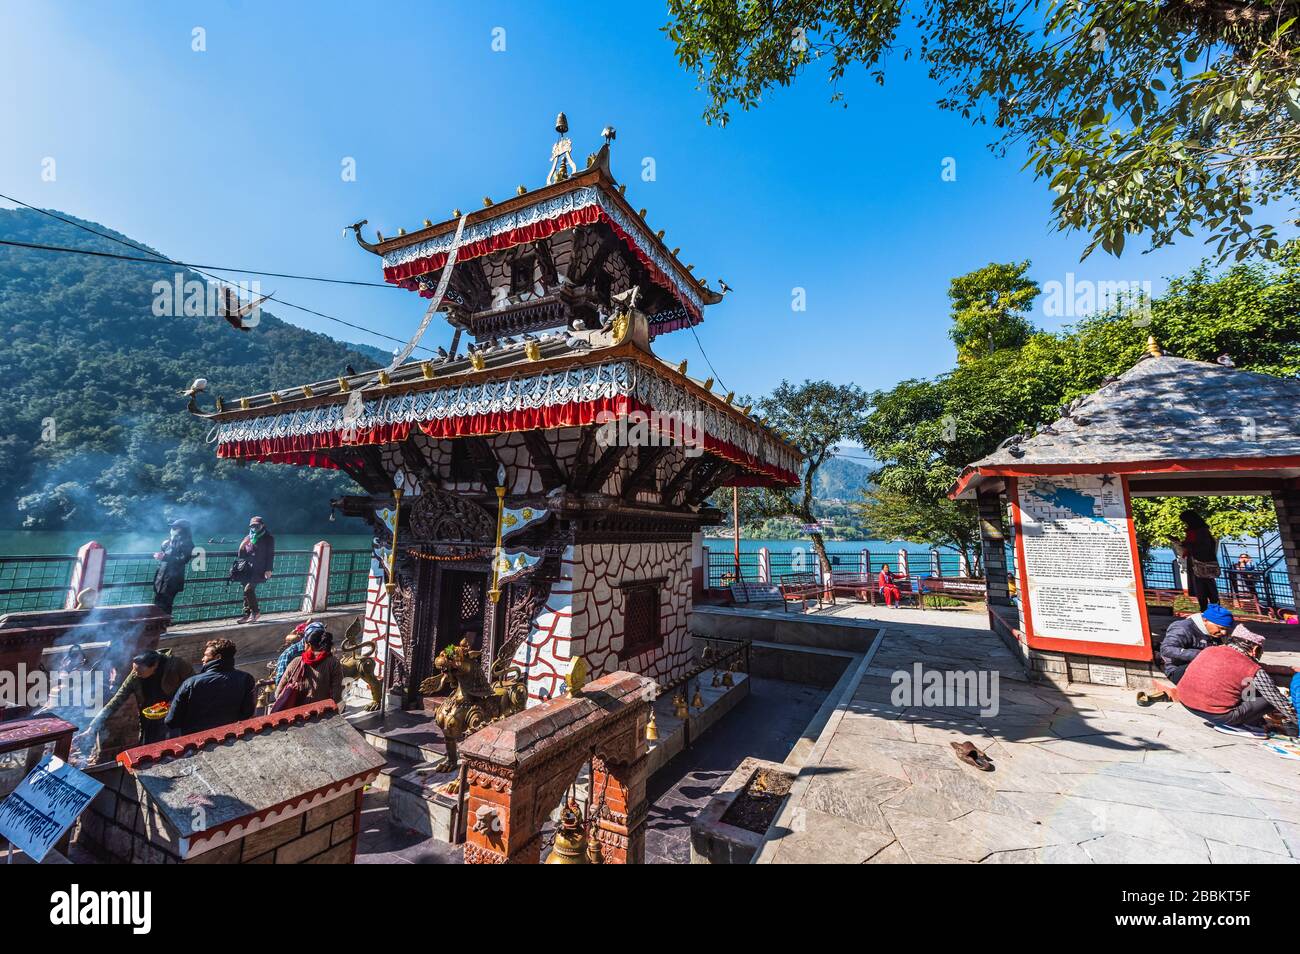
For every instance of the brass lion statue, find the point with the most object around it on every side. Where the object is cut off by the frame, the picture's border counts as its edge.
(472, 702)
(358, 661)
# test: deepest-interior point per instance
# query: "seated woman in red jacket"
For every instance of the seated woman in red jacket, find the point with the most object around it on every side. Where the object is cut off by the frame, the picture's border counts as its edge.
(888, 588)
(1226, 685)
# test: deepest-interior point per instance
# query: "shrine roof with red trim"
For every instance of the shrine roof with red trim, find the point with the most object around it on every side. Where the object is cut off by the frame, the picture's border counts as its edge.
(1166, 415)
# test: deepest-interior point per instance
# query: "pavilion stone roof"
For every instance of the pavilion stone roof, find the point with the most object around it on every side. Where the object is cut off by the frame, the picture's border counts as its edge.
(1165, 414)
(251, 774)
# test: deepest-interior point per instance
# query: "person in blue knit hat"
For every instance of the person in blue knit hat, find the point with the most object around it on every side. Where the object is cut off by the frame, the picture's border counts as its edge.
(1185, 638)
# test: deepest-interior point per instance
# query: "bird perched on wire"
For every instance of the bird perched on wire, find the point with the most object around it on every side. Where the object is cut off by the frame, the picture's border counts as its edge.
(200, 385)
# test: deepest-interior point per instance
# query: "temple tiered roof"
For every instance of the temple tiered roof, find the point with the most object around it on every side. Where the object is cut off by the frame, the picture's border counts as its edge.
(562, 288)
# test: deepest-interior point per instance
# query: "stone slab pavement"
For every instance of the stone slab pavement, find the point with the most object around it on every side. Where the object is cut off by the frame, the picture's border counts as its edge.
(1082, 774)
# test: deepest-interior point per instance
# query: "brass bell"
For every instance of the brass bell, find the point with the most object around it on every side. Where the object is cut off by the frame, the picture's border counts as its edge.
(697, 701)
(570, 846)
(717, 679)
(651, 730)
(679, 705)
(726, 678)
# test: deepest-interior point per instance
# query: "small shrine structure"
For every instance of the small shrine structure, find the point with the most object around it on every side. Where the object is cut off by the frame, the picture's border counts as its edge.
(1168, 426)
(538, 493)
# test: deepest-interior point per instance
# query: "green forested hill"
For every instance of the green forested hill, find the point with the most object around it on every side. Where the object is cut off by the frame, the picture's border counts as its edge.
(80, 345)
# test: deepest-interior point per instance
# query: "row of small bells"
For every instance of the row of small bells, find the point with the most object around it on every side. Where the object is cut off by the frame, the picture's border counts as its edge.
(573, 843)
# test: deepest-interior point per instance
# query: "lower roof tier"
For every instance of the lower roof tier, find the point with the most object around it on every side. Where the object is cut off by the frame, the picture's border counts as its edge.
(605, 392)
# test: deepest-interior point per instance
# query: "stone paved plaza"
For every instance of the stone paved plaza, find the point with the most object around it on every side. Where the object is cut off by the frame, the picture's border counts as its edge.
(1082, 776)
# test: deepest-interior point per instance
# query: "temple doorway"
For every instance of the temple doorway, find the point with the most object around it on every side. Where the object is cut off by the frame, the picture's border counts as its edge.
(462, 599)
(448, 605)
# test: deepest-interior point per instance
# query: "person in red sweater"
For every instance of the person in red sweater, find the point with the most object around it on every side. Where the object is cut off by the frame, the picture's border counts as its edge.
(888, 588)
(1227, 686)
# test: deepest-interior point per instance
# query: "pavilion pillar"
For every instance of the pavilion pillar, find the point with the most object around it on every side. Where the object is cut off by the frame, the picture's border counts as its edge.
(764, 565)
(620, 828)
(1287, 504)
(993, 536)
(699, 565)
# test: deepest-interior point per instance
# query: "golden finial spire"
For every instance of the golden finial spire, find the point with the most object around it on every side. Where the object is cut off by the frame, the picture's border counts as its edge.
(1153, 347)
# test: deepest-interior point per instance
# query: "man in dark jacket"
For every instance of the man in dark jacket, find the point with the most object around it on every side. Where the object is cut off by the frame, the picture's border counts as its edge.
(1185, 638)
(257, 550)
(217, 695)
(154, 677)
(173, 556)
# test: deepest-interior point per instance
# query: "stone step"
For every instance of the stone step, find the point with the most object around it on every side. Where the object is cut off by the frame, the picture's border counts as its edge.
(412, 736)
(415, 801)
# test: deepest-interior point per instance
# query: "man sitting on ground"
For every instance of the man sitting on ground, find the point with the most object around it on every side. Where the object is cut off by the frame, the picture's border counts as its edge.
(1186, 638)
(1227, 686)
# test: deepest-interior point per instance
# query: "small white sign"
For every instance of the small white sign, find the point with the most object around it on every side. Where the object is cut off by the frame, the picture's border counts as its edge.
(1104, 675)
(44, 805)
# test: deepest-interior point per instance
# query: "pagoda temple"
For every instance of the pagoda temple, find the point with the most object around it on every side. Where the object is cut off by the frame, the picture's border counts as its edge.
(539, 493)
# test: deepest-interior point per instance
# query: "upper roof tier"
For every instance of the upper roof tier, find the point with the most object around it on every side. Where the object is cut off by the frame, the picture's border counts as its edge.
(1165, 415)
(548, 258)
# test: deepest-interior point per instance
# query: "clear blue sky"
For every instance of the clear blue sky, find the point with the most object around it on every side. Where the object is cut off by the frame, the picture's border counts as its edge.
(233, 156)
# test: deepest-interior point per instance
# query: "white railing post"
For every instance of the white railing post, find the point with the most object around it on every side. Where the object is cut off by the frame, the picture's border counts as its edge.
(87, 574)
(764, 565)
(935, 568)
(902, 563)
(315, 595)
(963, 567)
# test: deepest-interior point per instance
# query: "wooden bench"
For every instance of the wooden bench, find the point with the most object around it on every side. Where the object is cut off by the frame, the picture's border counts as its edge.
(866, 587)
(966, 589)
(801, 588)
(908, 590)
(744, 593)
(861, 586)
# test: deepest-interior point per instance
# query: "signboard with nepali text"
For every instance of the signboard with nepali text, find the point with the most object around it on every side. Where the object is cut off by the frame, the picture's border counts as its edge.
(1079, 567)
(44, 805)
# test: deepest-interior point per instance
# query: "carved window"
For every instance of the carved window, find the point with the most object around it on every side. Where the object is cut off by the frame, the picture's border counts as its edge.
(641, 629)
(521, 275)
(462, 468)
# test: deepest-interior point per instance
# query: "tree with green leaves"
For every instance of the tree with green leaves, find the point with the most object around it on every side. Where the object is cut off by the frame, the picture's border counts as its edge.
(815, 417)
(990, 309)
(1147, 118)
(924, 432)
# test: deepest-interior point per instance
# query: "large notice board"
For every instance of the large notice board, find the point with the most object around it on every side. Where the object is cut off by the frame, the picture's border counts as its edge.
(1080, 577)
